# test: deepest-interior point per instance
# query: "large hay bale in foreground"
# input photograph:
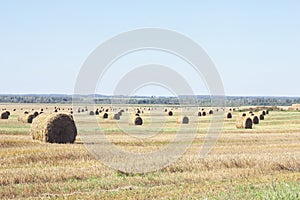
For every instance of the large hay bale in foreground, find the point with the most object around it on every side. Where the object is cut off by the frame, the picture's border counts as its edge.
(54, 128)
(244, 122)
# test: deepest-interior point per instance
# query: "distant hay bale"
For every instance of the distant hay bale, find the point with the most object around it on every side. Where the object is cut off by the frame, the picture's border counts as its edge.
(116, 116)
(35, 114)
(264, 112)
(166, 110)
(92, 112)
(26, 118)
(199, 114)
(14, 109)
(185, 120)
(261, 117)
(203, 113)
(211, 112)
(26, 112)
(138, 111)
(170, 113)
(4, 115)
(55, 110)
(138, 121)
(244, 114)
(54, 128)
(106, 110)
(267, 112)
(137, 114)
(97, 112)
(105, 116)
(255, 120)
(229, 115)
(244, 122)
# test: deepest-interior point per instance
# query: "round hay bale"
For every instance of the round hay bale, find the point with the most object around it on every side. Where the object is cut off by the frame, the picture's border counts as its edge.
(264, 112)
(261, 117)
(229, 115)
(92, 112)
(35, 114)
(54, 128)
(105, 116)
(138, 121)
(203, 113)
(170, 113)
(166, 110)
(267, 112)
(244, 115)
(185, 120)
(26, 118)
(106, 110)
(14, 109)
(4, 115)
(255, 120)
(244, 122)
(211, 112)
(97, 112)
(138, 111)
(25, 113)
(116, 116)
(71, 112)
(55, 110)
(199, 114)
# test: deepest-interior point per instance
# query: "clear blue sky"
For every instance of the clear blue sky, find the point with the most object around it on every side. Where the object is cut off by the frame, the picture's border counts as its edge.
(254, 44)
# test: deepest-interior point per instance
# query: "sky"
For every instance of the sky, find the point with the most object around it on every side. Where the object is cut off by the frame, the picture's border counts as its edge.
(254, 44)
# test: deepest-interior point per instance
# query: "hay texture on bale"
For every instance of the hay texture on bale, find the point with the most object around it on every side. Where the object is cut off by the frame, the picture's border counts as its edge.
(244, 122)
(54, 128)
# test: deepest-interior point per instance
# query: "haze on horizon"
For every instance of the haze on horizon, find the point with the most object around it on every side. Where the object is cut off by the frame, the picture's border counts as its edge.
(254, 45)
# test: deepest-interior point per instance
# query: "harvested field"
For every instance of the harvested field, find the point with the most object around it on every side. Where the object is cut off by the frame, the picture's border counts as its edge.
(258, 163)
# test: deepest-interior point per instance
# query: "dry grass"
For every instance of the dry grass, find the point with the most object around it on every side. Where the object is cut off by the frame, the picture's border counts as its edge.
(262, 163)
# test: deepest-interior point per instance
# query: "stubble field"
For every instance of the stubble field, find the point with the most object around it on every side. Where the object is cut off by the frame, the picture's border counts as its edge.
(258, 163)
